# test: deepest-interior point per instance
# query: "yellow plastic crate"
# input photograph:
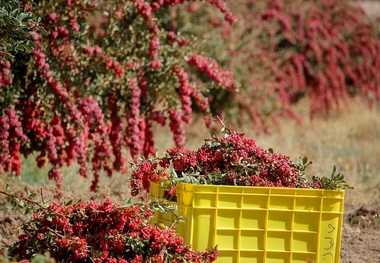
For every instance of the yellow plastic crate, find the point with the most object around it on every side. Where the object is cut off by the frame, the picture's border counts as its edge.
(259, 224)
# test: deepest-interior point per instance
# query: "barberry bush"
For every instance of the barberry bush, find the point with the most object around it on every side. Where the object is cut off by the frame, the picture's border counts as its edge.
(16, 22)
(229, 158)
(282, 51)
(98, 232)
(101, 76)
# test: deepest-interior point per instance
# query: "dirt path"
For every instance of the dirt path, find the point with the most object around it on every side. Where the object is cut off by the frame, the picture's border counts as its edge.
(360, 245)
(361, 236)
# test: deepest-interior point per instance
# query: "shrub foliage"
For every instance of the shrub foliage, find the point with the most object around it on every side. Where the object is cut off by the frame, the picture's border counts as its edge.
(283, 50)
(101, 75)
(16, 21)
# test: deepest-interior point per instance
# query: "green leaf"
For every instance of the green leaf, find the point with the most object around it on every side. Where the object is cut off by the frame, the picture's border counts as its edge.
(32, 195)
(28, 210)
(28, 48)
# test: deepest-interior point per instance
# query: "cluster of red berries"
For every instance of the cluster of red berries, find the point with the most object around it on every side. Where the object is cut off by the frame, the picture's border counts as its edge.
(232, 159)
(93, 232)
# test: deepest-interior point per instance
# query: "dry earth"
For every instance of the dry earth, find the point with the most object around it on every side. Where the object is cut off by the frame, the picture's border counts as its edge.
(361, 236)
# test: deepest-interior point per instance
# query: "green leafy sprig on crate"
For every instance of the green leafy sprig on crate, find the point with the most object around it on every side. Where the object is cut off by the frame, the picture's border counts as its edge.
(230, 159)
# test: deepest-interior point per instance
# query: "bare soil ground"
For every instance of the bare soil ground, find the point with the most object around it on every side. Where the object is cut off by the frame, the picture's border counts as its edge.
(361, 236)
